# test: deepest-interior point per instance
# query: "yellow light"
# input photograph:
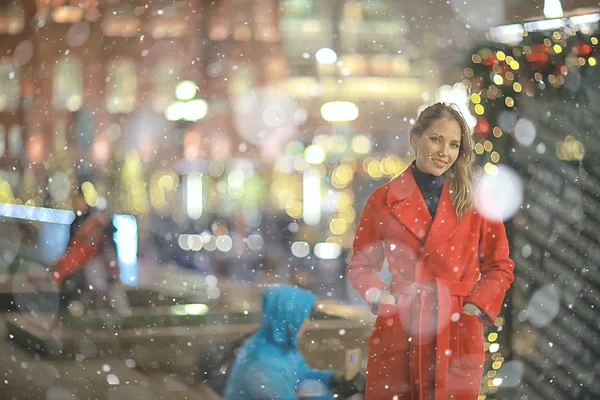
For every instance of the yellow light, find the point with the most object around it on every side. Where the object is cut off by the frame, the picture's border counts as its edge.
(476, 58)
(294, 209)
(349, 214)
(517, 87)
(551, 79)
(342, 175)
(487, 145)
(315, 154)
(388, 166)
(90, 194)
(361, 144)
(497, 132)
(557, 49)
(344, 200)
(594, 40)
(556, 35)
(479, 109)
(498, 80)
(509, 59)
(338, 144)
(495, 156)
(547, 42)
(400, 167)
(509, 101)
(581, 61)
(514, 64)
(334, 239)
(500, 56)
(166, 183)
(475, 98)
(338, 226)
(479, 148)
(491, 374)
(592, 61)
(491, 169)
(374, 169)
(499, 321)
(493, 336)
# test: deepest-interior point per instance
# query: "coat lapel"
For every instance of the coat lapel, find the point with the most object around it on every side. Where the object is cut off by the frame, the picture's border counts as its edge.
(445, 223)
(406, 203)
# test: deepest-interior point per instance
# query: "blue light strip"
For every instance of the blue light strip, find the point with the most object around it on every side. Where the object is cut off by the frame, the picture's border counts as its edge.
(126, 238)
(39, 214)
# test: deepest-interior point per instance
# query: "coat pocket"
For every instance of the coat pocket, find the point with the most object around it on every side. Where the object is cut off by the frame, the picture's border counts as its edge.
(471, 341)
(381, 339)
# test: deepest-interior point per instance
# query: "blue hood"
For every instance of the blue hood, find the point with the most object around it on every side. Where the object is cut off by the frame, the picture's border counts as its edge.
(284, 309)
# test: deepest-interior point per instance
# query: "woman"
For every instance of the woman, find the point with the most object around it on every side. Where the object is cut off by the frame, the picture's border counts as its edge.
(450, 269)
(270, 366)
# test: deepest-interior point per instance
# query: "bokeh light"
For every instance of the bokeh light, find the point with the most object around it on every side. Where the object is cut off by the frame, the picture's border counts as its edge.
(498, 193)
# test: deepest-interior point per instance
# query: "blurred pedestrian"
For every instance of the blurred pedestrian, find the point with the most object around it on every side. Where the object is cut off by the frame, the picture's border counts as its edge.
(450, 269)
(269, 364)
(91, 253)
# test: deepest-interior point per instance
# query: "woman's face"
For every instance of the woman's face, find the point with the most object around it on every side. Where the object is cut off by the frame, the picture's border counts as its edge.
(438, 147)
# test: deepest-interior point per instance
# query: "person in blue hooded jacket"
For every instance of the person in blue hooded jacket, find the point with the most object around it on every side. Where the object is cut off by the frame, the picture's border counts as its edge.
(269, 364)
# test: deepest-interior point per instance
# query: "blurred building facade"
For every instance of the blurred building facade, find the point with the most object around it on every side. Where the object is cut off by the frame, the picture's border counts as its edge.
(91, 93)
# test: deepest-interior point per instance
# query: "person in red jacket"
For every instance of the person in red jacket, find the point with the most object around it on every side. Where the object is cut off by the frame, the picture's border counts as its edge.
(90, 239)
(450, 269)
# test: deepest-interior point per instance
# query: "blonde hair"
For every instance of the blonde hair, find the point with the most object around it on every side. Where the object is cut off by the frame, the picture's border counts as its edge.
(461, 172)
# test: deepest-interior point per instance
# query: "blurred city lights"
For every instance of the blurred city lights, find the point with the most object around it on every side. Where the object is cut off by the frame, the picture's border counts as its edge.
(194, 195)
(328, 251)
(126, 239)
(186, 90)
(195, 110)
(339, 111)
(326, 56)
(315, 154)
(39, 214)
(361, 144)
(175, 111)
(553, 9)
(189, 309)
(312, 196)
(498, 193)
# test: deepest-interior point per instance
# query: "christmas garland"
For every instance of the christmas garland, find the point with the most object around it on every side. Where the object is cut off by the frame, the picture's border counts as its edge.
(552, 64)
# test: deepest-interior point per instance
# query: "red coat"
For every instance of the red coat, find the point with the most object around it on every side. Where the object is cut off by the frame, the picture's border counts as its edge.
(425, 344)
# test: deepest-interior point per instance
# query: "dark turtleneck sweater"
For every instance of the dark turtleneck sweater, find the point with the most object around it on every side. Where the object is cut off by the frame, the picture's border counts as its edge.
(430, 186)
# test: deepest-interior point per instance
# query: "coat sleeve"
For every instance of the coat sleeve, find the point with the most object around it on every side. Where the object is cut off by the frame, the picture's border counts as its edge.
(264, 383)
(496, 270)
(367, 253)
